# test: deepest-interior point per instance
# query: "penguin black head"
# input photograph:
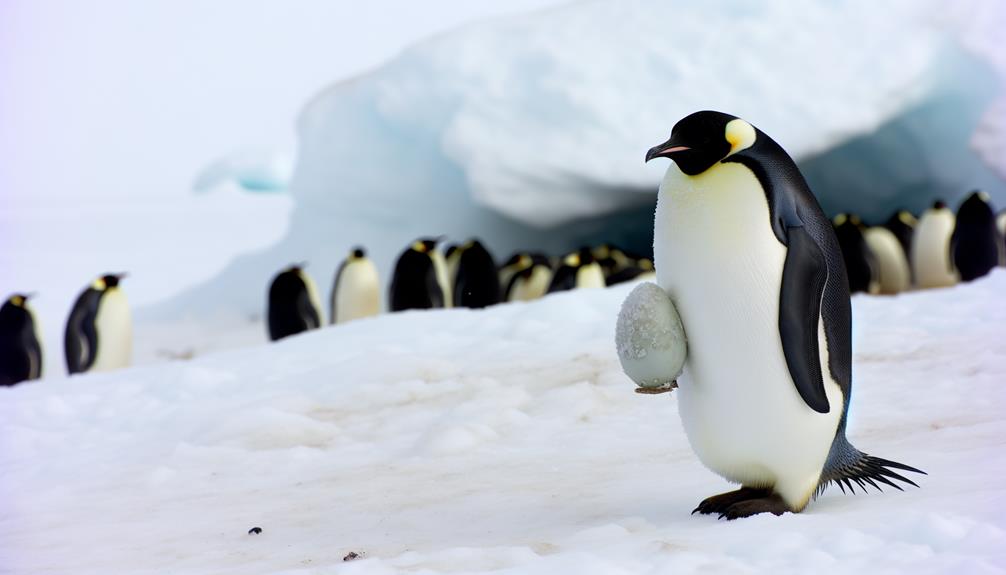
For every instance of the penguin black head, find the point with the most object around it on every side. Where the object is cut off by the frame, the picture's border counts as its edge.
(939, 205)
(359, 253)
(19, 299)
(450, 250)
(112, 280)
(426, 245)
(586, 256)
(702, 139)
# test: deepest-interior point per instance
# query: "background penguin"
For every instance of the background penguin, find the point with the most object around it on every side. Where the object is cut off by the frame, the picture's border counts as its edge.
(532, 281)
(452, 257)
(755, 270)
(975, 245)
(860, 264)
(515, 263)
(356, 292)
(99, 332)
(476, 282)
(293, 305)
(20, 347)
(578, 270)
(641, 269)
(930, 257)
(902, 224)
(891, 262)
(420, 278)
(612, 259)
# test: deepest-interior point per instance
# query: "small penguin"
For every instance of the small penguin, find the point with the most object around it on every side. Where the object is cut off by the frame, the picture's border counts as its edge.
(356, 292)
(755, 271)
(975, 245)
(99, 332)
(515, 263)
(293, 305)
(532, 281)
(893, 275)
(476, 283)
(902, 224)
(612, 259)
(930, 258)
(641, 269)
(20, 344)
(860, 263)
(578, 270)
(420, 278)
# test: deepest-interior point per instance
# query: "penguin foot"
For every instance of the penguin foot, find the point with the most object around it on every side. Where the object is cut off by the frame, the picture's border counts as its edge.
(772, 504)
(720, 503)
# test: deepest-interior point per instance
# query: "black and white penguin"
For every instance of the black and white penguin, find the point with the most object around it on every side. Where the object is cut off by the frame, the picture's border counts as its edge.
(356, 292)
(452, 257)
(20, 345)
(975, 245)
(420, 278)
(902, 224)
(860, 263)
(293, 304)
(932, 266)
(755, 270)
(641, 269)
(612, 259)
(893, 275)
(578, 270)
(476, 283)
(99, 332)
(532, 281)
(517, 262)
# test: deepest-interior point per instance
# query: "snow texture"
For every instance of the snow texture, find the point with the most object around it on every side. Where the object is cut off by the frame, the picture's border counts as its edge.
(503, 440)
(649, 337)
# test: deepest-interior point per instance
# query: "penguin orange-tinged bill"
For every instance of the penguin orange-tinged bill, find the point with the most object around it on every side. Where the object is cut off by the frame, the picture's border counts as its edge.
(99, 331)
(754, 268)
(20, 344)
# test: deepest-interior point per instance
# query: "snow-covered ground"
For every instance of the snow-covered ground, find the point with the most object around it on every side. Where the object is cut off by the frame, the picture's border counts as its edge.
(503, 440)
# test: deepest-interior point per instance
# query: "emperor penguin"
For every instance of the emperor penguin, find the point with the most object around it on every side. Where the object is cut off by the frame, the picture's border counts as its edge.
(356, 292)
(420, 279)
(515, 263)
(612, 259)
(893, 275)
(975, 245)
(293, 304)
(476, 283)
(452, 257)
(641, 269)
(532, 281)
(902, 224)
(99, 332)
(932, 266)
(20, 344)
(860, 263)
(754, 268)
(578, 270)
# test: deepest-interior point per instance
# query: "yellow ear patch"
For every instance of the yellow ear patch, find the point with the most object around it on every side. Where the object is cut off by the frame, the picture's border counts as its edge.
(572, 260)
(99, 284)
(907, 218)
(17, 300)
(740, 134)
(419, 246)
(840, 219)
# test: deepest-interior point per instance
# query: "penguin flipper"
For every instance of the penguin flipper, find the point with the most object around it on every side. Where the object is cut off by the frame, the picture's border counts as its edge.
(803, 279)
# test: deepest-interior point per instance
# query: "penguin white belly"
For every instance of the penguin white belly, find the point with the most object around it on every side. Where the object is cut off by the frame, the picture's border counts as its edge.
(590, 276)
(440, 269)
(535, 287)
(717, 257)
(931, 250)
(894, 274)
(358, 294)
(114, 326)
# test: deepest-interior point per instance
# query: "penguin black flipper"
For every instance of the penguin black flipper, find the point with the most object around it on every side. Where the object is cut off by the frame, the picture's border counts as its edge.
(81, 338)
(804, 276)
(307, 311)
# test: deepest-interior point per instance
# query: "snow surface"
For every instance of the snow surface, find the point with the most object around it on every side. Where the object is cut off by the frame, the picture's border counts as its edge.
(504, 440)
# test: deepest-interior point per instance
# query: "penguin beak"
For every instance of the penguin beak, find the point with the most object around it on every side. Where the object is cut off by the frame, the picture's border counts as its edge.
(665, 150)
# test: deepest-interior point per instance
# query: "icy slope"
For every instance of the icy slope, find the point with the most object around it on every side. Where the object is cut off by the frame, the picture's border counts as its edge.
(504, 440)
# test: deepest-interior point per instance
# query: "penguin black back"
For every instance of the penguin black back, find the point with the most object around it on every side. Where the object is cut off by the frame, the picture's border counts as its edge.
(291, 308)
(902, 225)
(20, 351)
(80, 340)
(859, 260)
(975, 245)
(477, 284)
(414, 284)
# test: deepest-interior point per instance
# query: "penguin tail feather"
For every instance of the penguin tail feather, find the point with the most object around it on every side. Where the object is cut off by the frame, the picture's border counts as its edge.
(857, 468)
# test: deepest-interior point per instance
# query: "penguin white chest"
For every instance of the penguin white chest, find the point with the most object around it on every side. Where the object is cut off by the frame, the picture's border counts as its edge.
(358, 294)
(114, 326)
(719, 259)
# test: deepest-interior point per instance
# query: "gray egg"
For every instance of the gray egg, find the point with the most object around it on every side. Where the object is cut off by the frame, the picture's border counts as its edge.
(650, 338)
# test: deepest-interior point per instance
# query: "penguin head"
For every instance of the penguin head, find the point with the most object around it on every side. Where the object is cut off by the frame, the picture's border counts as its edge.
(586, 256)
(19, 299)
(426, 245)
(701, 140)
(358, 253)
(907, 218)
(109, 281)
(939, 205)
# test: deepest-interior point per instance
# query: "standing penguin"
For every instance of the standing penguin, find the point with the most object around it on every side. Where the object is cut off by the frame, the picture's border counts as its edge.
(578, 270)
(532, 281)
(517, 262)
(860, 264)
(99, 332)
(930, 258)
(293, 305)
(975, 246)
(20, 347)
(356, 292)
(476, 283)
(754, 268)
(902, 224)
(892, 264)
(420, 278)
(642, 269)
